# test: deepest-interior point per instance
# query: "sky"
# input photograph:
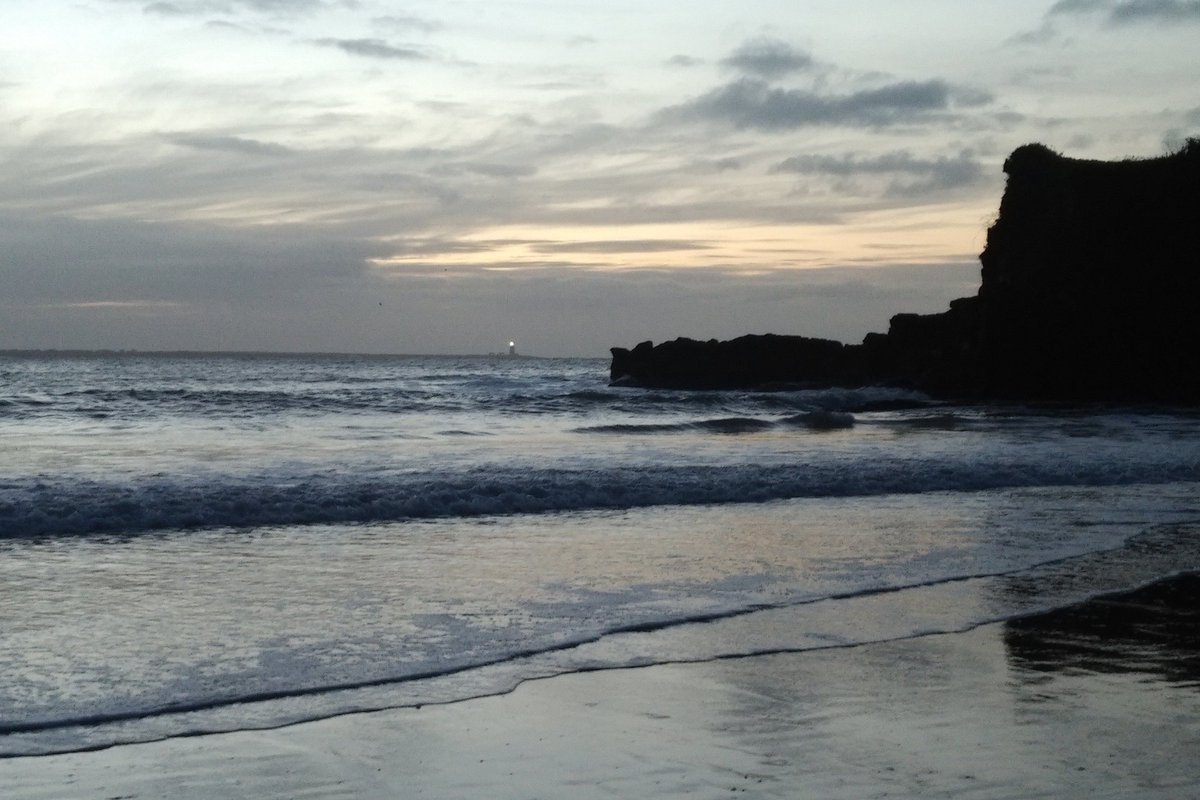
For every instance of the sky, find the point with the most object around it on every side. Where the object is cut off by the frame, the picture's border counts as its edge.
(443, 177)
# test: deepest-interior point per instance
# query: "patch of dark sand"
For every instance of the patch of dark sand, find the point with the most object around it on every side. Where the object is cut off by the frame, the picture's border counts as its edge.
(1153, 631)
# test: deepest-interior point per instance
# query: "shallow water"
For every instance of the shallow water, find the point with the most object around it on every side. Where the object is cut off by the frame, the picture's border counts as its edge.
(217, 543)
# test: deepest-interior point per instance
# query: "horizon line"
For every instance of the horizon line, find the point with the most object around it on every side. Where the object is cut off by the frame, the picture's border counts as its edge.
(104, 351)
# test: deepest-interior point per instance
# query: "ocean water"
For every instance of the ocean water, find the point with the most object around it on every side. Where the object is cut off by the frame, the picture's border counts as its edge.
(201, 543)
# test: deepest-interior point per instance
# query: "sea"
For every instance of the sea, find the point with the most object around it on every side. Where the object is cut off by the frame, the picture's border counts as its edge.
(199, 543)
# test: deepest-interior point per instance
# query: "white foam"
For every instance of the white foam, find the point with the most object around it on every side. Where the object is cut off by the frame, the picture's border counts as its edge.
(75, 505)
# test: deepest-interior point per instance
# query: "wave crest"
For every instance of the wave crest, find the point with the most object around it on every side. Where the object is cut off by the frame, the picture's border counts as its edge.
(34, 507)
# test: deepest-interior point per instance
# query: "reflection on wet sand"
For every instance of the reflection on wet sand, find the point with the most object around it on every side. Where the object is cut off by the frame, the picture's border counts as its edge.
(1154, 631)
(1100, 699)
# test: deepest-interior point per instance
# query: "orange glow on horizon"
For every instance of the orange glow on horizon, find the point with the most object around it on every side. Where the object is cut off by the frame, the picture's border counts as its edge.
(922, 235)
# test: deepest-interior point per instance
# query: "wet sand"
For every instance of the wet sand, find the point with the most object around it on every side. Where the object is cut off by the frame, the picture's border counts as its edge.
(1098, 701)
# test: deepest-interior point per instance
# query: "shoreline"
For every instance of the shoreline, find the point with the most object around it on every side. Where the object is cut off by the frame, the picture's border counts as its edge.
(1095, 700)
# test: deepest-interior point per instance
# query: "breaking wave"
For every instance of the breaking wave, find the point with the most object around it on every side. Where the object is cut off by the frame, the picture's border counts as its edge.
(33, 507)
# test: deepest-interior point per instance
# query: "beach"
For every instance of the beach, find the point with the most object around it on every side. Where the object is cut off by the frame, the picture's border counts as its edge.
(1100, 700)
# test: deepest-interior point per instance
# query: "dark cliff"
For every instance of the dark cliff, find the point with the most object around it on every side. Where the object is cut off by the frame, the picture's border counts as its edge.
(1090, 276)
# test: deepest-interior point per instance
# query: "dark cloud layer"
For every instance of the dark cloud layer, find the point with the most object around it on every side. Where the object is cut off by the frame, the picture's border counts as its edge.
(1114, 14)
(406, 23)
(374, 48)
(54, 259)
(752, 103)
(1077, 6)
(911, 175)
(768, 58)
(178, 8)
(1156, 10)
(1132, 11)
(486, 169)
(229, 144)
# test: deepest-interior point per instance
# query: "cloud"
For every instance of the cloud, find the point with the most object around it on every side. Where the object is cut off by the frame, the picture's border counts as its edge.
(229, 144)
(1126, 12)
(1115, 13)
(621, 246)
(1078, 6)
(56, 260)
(373, 48)
(1048, 32)
(411, 249)
(121, 305)
(408, 23)
(752, 103)
(681, 60)
(293, 6)
(179, 8)
(912, 175)
(487, 170)
(1156, 11)
(768, 58)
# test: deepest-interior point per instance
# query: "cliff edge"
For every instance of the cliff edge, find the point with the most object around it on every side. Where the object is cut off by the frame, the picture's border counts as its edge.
(1090, 278)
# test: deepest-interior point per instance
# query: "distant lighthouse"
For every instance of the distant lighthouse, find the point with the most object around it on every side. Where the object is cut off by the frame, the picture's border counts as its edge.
(512, 348)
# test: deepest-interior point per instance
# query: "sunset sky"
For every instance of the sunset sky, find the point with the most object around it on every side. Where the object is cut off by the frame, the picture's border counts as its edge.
(441, 177)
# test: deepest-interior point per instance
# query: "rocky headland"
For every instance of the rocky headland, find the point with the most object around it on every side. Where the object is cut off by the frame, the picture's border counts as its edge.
(1090, 280)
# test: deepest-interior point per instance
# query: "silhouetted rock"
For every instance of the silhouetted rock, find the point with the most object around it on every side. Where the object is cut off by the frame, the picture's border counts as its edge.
(1090, 277)
(748, 361)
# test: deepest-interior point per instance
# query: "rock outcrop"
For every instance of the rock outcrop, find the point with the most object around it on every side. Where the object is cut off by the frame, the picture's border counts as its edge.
(1091, 274)
(748, 361)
